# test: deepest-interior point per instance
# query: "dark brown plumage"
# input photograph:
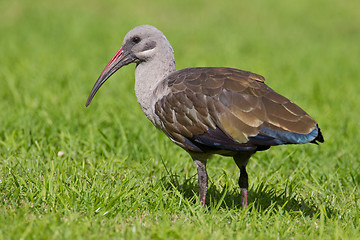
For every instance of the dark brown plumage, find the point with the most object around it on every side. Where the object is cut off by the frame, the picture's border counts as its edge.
(236, 103)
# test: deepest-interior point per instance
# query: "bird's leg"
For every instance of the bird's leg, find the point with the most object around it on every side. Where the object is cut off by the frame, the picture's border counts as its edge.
(241, 161)
(200, 164)
(244, 186)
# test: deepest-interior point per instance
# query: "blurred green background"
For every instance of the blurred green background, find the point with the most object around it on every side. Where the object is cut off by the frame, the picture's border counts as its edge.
(117, 173)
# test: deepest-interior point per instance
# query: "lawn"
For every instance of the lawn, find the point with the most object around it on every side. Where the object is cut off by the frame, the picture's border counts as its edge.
(104, 172)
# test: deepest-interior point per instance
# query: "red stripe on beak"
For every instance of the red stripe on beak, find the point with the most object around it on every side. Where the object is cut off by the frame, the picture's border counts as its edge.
(111, 67)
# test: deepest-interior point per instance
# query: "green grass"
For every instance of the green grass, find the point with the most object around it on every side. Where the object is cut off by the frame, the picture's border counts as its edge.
(121, 178)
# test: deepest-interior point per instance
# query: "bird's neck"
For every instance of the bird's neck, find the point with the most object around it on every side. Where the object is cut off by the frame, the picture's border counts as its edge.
(148, 75)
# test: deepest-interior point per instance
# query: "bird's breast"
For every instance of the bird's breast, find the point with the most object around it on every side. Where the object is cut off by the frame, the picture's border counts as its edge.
(148, 97)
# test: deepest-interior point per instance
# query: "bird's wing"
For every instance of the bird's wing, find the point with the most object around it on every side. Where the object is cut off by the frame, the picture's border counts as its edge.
(229, 109)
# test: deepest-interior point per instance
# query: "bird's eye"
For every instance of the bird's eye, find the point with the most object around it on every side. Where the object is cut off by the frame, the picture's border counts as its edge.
(136, 39)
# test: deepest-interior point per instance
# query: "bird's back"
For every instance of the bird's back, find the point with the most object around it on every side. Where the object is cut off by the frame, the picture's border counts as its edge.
(229, 110)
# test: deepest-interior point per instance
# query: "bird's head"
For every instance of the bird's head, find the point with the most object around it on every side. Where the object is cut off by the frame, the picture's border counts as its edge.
(139, 45)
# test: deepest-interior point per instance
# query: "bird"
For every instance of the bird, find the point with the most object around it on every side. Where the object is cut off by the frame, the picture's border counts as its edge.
(208, 110)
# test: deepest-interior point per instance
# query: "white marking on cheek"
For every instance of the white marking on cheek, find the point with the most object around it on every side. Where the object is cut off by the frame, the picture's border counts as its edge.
(147, 52)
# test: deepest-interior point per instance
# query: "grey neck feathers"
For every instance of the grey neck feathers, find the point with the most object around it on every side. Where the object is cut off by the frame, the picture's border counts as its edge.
(148, 74)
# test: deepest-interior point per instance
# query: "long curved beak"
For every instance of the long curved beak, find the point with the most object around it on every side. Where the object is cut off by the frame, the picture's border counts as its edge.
(120, 59)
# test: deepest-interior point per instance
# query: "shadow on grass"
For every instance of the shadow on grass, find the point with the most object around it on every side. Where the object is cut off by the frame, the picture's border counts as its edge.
(261, 197)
